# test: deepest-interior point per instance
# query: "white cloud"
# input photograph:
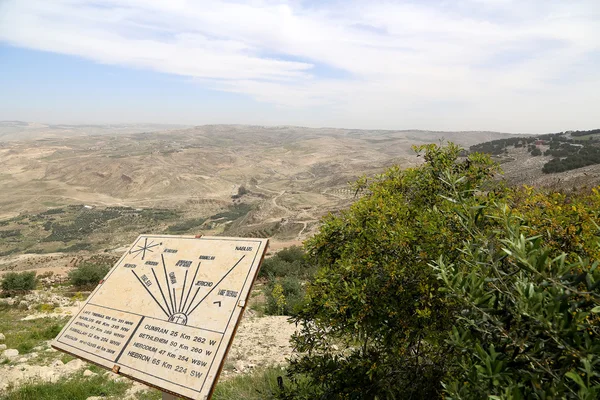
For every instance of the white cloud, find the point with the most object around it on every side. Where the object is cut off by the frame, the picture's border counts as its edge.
(501, 64)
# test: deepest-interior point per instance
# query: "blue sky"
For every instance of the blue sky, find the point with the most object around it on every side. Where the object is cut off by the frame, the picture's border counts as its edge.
(517, 66)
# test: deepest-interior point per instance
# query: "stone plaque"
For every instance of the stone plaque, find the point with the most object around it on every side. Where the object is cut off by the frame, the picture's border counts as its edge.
(166, 313)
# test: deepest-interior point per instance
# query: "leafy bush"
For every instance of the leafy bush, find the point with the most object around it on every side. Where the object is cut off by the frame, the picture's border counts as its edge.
(373, 325)
(19, 281)
(284, 296)
(510, 309)
(290, 261)
(529, 319)
(88, 274)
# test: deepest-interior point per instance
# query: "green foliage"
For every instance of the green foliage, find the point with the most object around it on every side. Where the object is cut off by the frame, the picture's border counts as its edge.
(568, 153)
(285, 296)
(72, 388)
(572, 157)
(24, 335)
(373, 326)
(290, 261)
(241, 191)
(13, 282)
(285, 272)
(510, 309)
(88, 274)
(260, 385)
(10, 233)
(85, 222)
(34, 337)
(234, 212)
(186, 225)
(529, 319)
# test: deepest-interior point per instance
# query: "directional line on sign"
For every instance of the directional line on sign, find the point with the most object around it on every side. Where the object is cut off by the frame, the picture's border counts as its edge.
(174, 300)
(168, 284)
(161, 291)
(182, 290)
(191, 287)
(214, 287)
(150, 293)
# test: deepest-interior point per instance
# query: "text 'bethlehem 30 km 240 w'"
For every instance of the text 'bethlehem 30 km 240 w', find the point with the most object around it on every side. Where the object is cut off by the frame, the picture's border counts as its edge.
(167, 311)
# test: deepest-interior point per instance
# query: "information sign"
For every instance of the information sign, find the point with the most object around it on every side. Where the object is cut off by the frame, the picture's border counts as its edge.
(166, 313)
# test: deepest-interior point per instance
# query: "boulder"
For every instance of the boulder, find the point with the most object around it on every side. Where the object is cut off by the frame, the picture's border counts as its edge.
(87, 372)
(2, 337)
(2, 347)
(10, 353)
(74, 365)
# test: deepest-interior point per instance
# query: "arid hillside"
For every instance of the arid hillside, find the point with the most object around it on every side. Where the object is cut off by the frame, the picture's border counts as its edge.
(96, 188)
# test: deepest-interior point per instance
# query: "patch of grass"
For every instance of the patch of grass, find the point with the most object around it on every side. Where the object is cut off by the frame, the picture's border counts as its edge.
(151, 394)
(45, 307)
(75, 388)
(66, 358)
(260, 385)
(25, 335)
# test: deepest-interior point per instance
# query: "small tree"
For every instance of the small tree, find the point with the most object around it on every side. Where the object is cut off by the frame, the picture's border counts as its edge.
(87, 275)
(15, 282)
(374, 322)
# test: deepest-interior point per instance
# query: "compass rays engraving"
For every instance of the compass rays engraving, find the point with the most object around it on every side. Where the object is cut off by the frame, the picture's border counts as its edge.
(179, 312)
(143, 249)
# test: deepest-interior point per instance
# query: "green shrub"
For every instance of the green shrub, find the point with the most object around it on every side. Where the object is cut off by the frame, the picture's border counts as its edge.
(529, 318)
(19, 281)
(374, 325)
(290, 261)
(284, 296)
(88, 274)
(510, 309)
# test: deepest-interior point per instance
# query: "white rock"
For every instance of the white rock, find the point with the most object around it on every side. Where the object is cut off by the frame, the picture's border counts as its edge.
(75, 364)
(10, 353)
(2, 337)
(57, 363)
(22, 360)
(2, 347)
(87, 372)
(240, 365)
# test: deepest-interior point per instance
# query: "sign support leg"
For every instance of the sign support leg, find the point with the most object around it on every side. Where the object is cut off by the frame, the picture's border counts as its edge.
(168, 396)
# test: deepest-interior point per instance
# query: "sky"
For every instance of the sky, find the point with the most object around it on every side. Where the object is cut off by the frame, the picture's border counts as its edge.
(522, 66)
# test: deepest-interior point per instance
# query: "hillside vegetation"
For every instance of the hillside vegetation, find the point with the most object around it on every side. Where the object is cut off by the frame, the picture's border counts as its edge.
(568, 150)
(441, 282)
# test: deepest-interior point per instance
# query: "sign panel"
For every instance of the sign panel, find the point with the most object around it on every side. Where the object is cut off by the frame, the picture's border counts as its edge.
(166, 313)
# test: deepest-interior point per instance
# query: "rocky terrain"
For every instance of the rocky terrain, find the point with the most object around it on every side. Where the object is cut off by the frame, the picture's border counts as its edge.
(260, 342)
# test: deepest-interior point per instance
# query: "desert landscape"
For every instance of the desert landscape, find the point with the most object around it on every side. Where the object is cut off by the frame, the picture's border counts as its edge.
(96, 188)
(79, 195)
